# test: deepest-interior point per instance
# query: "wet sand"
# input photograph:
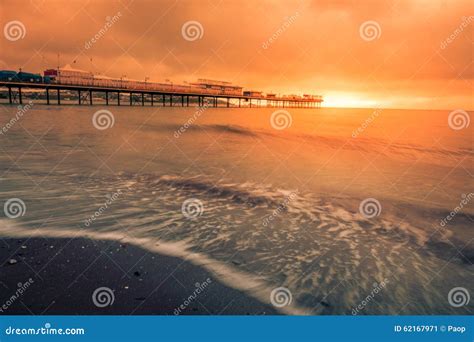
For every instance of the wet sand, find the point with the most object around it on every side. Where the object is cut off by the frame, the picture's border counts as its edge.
(66, 272)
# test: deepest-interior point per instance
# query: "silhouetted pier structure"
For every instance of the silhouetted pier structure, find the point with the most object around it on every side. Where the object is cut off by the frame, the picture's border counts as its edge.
(155, 97)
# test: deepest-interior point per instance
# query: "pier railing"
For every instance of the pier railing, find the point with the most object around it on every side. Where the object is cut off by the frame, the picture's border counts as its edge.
(158, 95)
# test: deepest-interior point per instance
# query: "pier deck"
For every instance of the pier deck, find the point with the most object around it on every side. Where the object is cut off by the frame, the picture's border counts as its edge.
(154, 97)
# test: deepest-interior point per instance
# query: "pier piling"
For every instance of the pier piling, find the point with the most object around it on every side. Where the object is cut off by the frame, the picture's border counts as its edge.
(201, 97)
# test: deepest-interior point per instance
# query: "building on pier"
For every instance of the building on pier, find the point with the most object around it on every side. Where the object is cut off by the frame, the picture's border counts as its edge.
(221, 86)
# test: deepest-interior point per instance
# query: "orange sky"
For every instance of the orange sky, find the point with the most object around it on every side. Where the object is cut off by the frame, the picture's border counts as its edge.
(316, 47)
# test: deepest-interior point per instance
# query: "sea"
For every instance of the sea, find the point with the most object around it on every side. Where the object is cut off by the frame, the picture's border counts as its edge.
(315, 211)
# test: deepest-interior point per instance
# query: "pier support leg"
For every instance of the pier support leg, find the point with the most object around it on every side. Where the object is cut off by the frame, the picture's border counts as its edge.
(239, 102)
(164, 102)
(143, 99)
(106, 98)
(187, 101)
(171, 100)
(10, 95)
(118, 98)
(19, 94)
(131, 99)
(250, 105)
(47, 96)
(182, 100)
(228, 102)
(151, 99)
(59, 97)
(90, 97)
(79, 96)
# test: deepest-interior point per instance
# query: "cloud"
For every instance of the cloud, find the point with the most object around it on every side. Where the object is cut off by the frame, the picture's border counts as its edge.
(315, 45)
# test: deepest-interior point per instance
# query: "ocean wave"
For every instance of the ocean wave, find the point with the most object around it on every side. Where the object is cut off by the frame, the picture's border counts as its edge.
(248, 283)
(254, 237)
(373, 145)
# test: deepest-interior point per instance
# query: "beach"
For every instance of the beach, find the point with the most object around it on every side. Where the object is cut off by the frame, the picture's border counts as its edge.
(64, 273)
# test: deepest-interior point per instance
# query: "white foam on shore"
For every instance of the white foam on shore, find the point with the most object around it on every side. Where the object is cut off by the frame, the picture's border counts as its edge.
(249, 284)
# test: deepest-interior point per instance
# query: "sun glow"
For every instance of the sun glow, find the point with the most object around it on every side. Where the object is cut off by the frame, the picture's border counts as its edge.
(348, 101)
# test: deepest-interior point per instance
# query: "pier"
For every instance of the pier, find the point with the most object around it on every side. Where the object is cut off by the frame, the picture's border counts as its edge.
(144, 97)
